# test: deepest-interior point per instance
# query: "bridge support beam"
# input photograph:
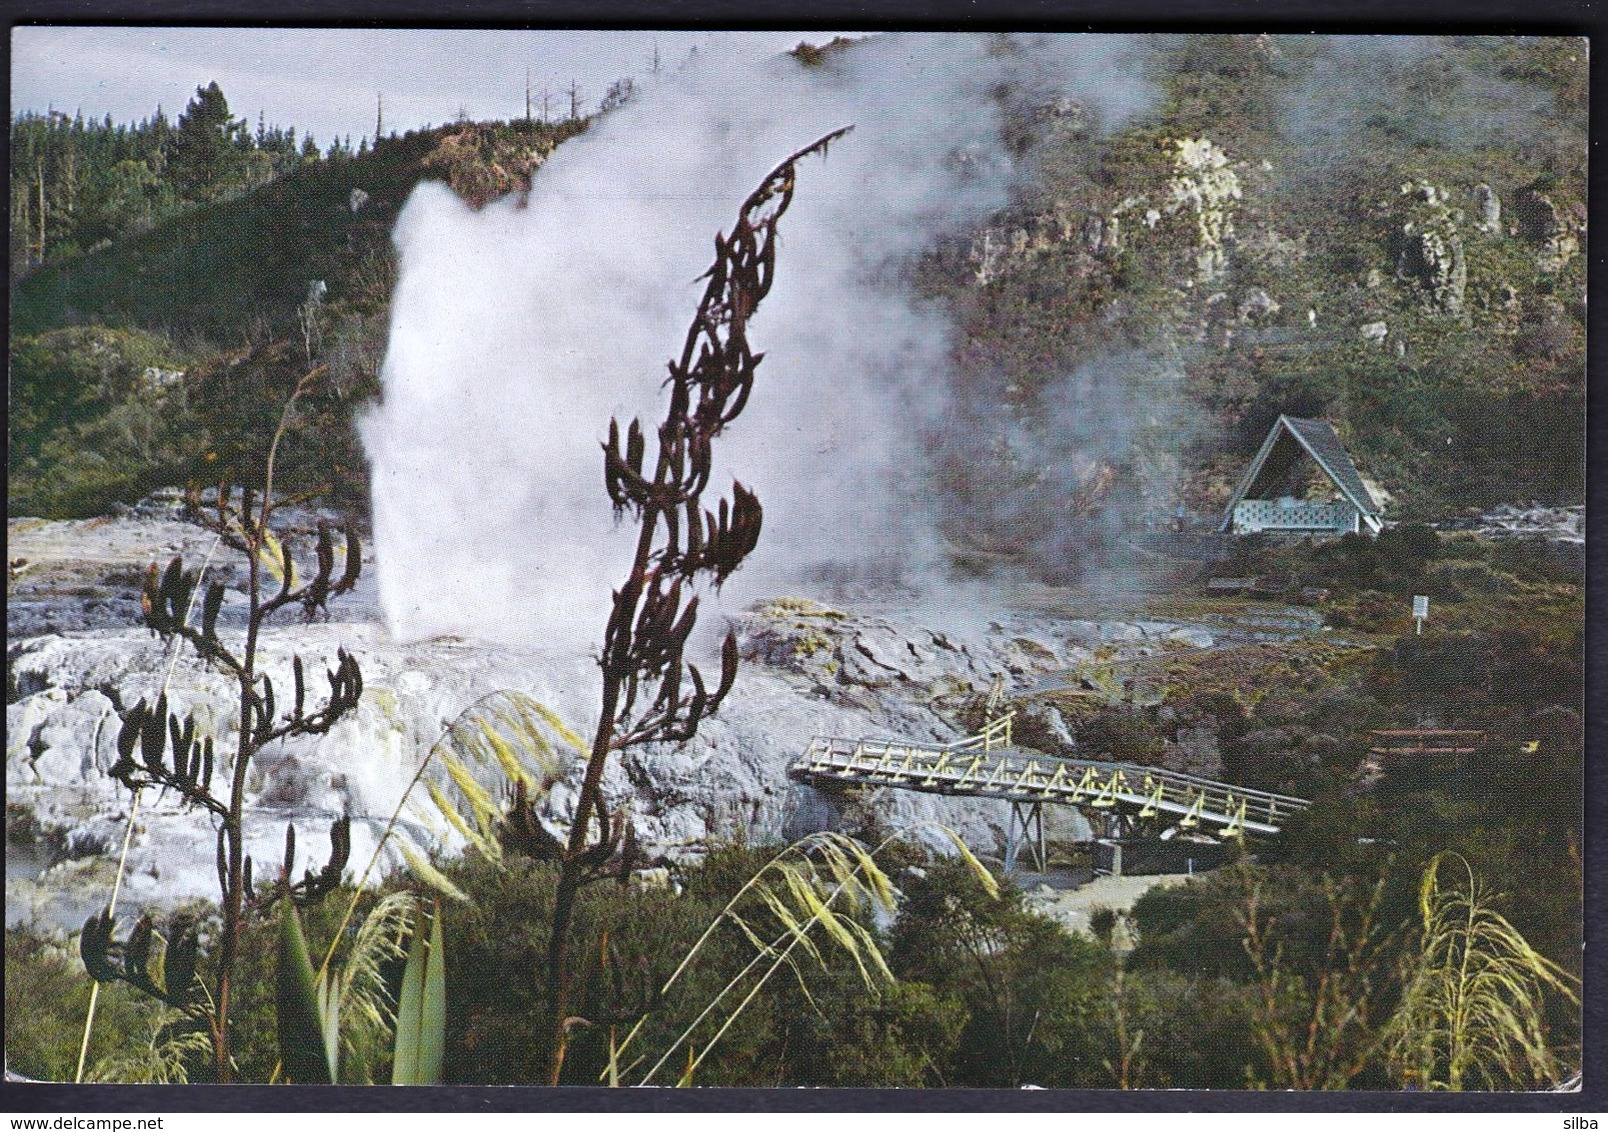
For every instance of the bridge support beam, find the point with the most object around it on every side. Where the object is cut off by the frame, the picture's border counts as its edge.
(1026, 827)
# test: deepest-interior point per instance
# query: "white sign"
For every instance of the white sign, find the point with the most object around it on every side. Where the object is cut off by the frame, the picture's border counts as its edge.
(1420, 606)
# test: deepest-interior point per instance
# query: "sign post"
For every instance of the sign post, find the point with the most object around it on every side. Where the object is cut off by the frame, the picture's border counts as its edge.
(1420, 611)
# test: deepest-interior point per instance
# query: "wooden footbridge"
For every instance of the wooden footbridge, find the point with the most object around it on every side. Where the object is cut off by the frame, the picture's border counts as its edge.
(987, 765)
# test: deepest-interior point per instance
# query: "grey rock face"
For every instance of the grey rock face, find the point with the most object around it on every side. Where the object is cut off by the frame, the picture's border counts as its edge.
(1042, 726)
(1490, 206)
(1015, 238)
(1429, 249)
(1506, 520)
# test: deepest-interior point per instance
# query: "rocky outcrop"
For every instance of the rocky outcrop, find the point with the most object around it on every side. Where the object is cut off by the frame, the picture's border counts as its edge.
(1205, 184)
(730, 782)
(1540, 221)
(77, 656)
(1014, 238)
(483, 164)
(1490, 206)
(1060, 119)
(1429, 250)
(843, 654)
(1258, 242)
(1507, 520)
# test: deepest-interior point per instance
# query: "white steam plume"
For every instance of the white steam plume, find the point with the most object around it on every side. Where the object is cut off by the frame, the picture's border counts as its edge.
(519, 330)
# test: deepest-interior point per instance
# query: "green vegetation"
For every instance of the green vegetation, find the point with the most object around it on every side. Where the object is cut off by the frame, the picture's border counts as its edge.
(1289, 970)
(1473, 1010)
(83, 184)
(47, 996)
(208, 236)
(1117, 341)
(97, 416)
(421, 1011)
(174, 758)
(1257, 975)
(302, 1040)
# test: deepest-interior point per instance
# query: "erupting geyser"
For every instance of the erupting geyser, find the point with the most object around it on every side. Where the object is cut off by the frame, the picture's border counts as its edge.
(519, 330)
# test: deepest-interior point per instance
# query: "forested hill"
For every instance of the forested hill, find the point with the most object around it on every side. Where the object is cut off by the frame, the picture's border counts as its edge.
(156, 342)
(1389, 234)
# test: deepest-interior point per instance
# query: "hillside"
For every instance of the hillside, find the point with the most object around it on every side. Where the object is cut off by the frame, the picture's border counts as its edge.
(1386, 236)
(168, 353)
(1404, 262)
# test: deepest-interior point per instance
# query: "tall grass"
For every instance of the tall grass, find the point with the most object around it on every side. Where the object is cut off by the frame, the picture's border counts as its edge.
(173, 1040)
(1473, 1008)
(826, 881)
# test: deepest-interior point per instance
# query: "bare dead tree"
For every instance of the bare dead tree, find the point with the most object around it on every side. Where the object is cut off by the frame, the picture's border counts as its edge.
(1315, 1027)
(650, 694)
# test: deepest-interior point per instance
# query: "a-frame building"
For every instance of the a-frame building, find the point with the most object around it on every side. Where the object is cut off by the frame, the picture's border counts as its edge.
(1251, 508)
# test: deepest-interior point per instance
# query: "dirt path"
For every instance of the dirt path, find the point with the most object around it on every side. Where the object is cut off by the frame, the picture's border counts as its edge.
(1073, 907)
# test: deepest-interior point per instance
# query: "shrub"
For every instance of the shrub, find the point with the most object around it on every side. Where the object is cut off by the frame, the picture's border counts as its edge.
(47, 999)
(1196, 1030)
(1036, 997)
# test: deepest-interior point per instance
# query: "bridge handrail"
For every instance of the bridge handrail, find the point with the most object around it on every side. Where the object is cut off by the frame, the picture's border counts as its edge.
(885, 746)
(925, 760)
(1239, 791)
(988, 738)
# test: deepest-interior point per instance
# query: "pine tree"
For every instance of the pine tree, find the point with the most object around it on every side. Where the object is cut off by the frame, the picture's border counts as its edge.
(204, 151)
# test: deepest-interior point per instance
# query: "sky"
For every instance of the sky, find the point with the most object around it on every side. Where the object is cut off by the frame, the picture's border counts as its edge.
(326, 80)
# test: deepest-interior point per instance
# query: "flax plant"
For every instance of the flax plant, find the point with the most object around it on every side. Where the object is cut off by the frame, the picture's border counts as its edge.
(336, 1017)
(177, 757)
(650, 693)
(329, 1011)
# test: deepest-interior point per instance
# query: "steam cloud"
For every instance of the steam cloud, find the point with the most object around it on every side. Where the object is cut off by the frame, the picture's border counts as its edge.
(519, 330)
(1337, 88)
